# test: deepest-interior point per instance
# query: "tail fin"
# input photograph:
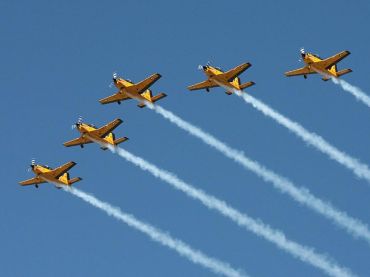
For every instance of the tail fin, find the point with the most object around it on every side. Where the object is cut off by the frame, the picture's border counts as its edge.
(110, 137)
(344, 71)
(74, 180)
(64, 178)
(247, 85)
(147, 95)
(152, 99)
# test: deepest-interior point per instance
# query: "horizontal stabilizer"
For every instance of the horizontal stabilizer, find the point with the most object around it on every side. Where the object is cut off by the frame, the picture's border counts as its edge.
(153, 99)
(159, 96)
(120, 140)
(344, 71)
(246, 85)
(74, 180)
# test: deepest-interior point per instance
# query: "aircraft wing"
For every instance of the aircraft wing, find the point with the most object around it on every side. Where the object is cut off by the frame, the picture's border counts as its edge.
(114, 98)
(203, 85)
(32, 181)
(59, 171)
(236, 71)
(105, 130)
(145, 84)
(77, 141)
(332, 60)
(300, 71)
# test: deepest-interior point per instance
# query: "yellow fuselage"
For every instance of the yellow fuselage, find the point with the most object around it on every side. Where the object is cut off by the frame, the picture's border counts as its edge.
(215, 76)
(128, 89)
(311, 61)
(86, 130)
(42, 172)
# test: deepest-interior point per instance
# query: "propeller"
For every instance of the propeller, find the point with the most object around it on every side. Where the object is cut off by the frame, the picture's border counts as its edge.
(302, 53)
(33, 162)
(115, 75)
(200, 67)
(79, 121)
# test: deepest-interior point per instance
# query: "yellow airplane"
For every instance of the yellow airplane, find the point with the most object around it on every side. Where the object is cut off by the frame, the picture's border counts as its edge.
(129, 90)
(325, 67)
(58, 176)
(217, 77)
(90, 133)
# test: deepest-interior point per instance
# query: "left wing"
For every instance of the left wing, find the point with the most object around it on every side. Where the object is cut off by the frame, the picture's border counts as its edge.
(235, 72)
(59, 171)
(114, 98)
(332, 60)
(145, 84)
(32, 181)
(105, 130)
(300, 71)
(77, 141)
(203, 85)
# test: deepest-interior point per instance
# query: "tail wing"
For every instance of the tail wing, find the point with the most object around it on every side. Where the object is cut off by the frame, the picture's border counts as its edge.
(247, 85)
(74, 180)
(148, 96)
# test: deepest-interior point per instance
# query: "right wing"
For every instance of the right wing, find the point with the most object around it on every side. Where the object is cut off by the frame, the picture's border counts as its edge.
(59, 171)
(300, 71)
(106, 129)
(32, 181)
(203, 85)
(114, 98)
(145, 84)
(329, 62)
(236, 71)
(77, 141)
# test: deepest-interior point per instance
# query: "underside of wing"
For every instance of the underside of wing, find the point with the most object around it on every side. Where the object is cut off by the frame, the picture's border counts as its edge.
(300, 71)
(329, 62)
(203, 85)
(32, 181)
(59, 171)
(77, 141)
(235, 72)
(114, 98)
(145, 84)
(105, 130)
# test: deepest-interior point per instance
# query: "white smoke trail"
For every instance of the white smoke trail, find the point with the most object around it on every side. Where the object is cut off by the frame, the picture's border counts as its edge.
(300, 194)
(305, 254)
(355, 91)
(358, 168)
(157, 235)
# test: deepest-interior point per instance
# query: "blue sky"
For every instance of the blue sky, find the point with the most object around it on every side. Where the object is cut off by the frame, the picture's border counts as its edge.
(57, 59)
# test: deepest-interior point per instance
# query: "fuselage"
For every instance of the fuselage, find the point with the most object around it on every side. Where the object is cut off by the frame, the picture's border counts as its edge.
(42, 172)
(311, 61)
(86, 130)
(215, 75)
(128, 89)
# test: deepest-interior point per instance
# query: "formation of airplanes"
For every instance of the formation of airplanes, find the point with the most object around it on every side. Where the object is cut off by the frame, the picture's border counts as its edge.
(141, 92)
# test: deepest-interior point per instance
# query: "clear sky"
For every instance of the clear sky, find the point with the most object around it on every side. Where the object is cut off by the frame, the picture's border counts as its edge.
(57, 59)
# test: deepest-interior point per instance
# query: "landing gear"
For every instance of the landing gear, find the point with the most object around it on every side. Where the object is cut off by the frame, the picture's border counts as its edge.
(119, 102)
(81, 145)
(207, 89)
(305, 76)
(37, 186)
